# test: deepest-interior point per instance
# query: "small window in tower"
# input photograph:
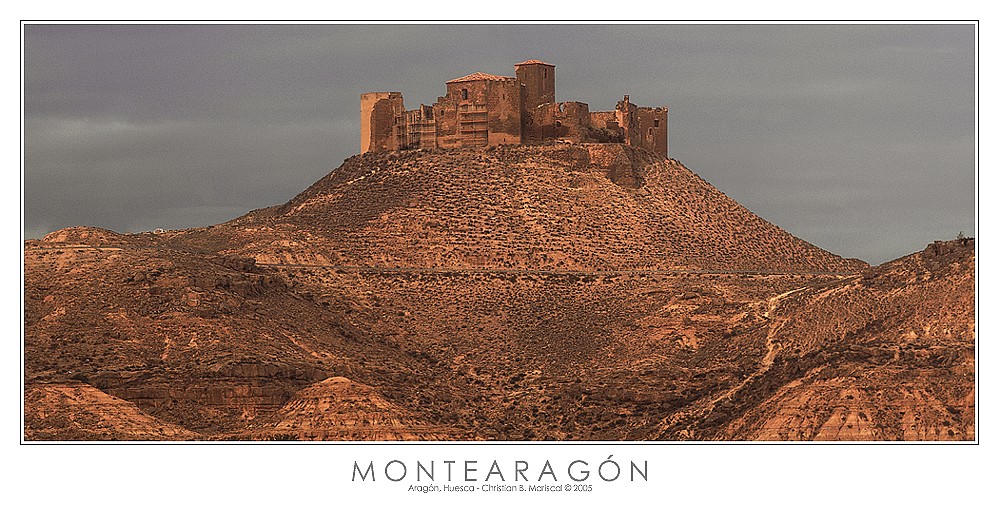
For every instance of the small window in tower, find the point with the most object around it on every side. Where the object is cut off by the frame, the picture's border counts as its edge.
(650, 131)
(465, 94)
(545, 73)
(656, 123)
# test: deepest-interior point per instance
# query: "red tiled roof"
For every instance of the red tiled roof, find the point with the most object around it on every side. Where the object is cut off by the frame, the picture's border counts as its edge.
(533, 62)
(480, 76)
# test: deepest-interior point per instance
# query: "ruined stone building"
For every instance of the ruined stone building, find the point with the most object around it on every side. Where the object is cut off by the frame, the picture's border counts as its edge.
(488, 110)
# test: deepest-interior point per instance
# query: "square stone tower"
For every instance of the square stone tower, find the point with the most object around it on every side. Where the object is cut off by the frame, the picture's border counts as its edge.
(538, 80)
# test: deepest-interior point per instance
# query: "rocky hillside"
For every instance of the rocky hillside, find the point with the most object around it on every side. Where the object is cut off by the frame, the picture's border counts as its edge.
(592, 207)
(205, 342)
(537, 293)
(77, 411)
(340, 409)
(889, 355)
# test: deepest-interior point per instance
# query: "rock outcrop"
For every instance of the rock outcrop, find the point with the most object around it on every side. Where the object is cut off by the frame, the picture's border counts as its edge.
(340, 409)
(77, 411)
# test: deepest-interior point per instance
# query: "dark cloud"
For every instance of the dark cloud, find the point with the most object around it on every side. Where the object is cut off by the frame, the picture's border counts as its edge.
(858, 138)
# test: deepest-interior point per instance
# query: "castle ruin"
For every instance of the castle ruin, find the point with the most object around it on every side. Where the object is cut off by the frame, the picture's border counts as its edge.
(488, 110)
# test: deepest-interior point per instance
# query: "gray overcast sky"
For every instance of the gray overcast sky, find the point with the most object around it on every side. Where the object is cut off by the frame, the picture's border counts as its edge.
(857, 138)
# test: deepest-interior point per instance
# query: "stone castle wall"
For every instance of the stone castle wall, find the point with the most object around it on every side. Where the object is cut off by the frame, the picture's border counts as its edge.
(378, 111)
(567, 120)
(488, 110)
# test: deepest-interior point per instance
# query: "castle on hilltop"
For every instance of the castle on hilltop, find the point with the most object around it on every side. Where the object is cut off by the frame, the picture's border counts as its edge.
(487, 110)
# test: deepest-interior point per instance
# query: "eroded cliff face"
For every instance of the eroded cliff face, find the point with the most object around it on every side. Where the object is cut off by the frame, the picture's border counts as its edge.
(551, 292)
(77, 411)
(210, 343)
(340, 409)
(889, 355)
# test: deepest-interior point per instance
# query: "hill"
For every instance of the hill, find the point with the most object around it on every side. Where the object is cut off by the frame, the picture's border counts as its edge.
(548, 292)
(205, 342)
(596, 207)
(888, 355)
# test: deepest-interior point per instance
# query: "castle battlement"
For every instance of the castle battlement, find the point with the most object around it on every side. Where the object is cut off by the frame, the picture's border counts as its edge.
(487, 110)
